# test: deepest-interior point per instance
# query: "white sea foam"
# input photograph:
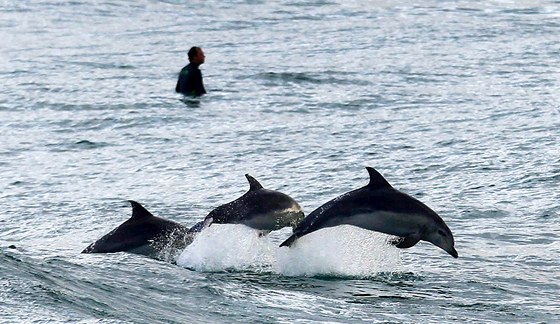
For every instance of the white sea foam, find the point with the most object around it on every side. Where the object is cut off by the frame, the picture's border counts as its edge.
(222, 247)
(339, 251)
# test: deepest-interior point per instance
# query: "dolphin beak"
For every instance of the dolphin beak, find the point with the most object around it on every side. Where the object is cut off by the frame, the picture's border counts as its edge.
(207, 222)
(453, 252)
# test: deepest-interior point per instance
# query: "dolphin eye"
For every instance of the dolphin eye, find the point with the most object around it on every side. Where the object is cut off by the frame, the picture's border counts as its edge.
(442, 233)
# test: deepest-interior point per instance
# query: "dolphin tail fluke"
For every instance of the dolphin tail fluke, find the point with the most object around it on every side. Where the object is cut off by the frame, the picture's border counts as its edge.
(289, 241)
(408, 242)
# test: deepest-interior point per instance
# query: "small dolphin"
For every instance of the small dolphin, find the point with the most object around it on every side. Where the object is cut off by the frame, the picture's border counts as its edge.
(380, 207)
(145, 234)
(262, 209)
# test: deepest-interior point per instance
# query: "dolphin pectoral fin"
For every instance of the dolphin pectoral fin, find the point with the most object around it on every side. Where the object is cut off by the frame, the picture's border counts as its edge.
(407, 242)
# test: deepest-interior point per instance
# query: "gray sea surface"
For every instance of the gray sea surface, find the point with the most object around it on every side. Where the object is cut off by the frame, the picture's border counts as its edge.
(456, 103)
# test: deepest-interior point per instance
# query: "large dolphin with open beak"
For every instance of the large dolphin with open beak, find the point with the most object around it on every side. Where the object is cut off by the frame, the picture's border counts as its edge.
(380, 207)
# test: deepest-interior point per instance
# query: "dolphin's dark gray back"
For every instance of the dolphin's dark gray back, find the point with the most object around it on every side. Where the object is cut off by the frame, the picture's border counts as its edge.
(143, 233)
(256, 201)
(344, 205)
(378, 195)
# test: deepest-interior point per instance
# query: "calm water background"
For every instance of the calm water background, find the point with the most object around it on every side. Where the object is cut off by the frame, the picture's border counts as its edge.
(455, 102)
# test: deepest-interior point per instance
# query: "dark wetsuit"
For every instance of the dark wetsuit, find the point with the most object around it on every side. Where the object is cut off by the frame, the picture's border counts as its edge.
(190, 81)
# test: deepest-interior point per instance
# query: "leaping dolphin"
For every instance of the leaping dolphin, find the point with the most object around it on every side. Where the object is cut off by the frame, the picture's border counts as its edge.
(262, 209)
(145, 234)
(380, 207)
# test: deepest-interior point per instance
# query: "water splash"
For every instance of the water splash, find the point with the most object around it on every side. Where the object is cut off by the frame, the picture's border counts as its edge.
(340, 251)
(228, 247)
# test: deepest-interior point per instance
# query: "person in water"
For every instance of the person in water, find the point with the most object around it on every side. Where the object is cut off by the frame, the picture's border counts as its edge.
(190, 77)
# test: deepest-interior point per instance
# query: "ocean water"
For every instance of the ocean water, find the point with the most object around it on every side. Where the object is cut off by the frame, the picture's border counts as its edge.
(456, 103)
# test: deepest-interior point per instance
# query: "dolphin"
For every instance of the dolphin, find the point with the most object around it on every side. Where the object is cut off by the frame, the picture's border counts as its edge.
(262, 209)
(145, 234)
(380, 207)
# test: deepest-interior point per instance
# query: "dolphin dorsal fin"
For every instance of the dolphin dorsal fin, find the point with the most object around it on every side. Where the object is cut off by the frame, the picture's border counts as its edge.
(253, 183)
(376, 180)
(138, 211)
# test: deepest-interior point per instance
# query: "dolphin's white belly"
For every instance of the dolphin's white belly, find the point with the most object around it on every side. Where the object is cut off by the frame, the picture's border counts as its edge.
(384, 222)
(274, 220)
(261, 221)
